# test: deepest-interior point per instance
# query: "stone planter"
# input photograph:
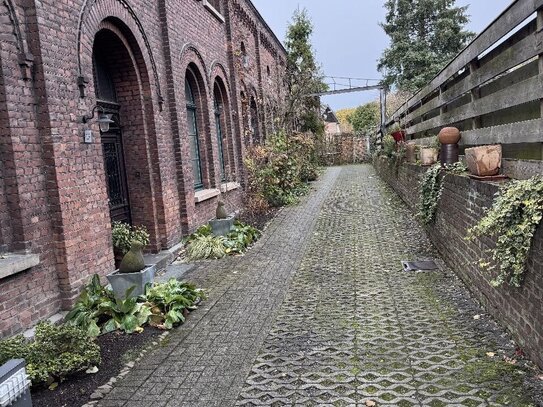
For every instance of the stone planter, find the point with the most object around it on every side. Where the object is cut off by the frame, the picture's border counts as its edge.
(484, 161)
(411, 153)
(428, 155)
(221, 227)
(121, 282)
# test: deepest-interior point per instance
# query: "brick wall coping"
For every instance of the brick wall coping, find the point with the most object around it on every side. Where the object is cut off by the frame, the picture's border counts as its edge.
(11, 264)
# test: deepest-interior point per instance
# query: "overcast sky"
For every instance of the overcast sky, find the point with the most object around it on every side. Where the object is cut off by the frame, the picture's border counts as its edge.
(347, 38)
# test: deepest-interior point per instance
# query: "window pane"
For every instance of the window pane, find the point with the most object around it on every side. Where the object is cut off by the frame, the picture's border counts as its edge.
(191, 121)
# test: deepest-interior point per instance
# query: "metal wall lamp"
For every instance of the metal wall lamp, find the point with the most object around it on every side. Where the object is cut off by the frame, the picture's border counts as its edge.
(104, 120)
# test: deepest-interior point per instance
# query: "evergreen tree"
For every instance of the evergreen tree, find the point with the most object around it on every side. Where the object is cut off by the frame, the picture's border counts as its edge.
(424, 36)
(303, 76)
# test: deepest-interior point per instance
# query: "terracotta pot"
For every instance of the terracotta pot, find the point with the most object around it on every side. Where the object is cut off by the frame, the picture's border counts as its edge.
(484, 161)
(428, 155)
(411, 152)
(398, 136)
(449, 135)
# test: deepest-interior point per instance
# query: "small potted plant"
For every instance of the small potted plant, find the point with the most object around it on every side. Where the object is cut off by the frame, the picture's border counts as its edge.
(397, 133)
(484, 161)
(123, 235)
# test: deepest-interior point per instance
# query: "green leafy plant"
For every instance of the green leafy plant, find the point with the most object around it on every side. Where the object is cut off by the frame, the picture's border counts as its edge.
(123, 234)
(127, 315)
(170, 301)
(206, 247)
(202, 244)
(55, 353)
(431, 187)
(513, 218)
(240, 238)
(86, 312)
(97, 311)
(456, 168)
(389, 146)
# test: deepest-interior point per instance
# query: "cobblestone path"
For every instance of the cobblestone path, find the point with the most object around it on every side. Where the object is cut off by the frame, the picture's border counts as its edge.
(318, 313)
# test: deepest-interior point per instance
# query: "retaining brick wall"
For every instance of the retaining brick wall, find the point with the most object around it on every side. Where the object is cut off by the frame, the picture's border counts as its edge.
(461, 205)
(53, 194)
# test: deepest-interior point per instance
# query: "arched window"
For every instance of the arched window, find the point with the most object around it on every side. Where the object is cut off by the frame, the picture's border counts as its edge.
(219, 116)
(192, 124)
(254, 122)
(244, 56)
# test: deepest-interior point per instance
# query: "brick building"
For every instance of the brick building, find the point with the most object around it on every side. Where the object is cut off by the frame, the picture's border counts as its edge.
(185, 85)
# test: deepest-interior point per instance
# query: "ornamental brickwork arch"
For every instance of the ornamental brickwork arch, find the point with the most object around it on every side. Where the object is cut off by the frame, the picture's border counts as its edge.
(95, 11)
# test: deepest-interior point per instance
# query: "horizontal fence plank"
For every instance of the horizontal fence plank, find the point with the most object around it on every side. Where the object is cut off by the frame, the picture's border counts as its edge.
(507, 21)
(520, 52)
(523, 92)
(529, 131)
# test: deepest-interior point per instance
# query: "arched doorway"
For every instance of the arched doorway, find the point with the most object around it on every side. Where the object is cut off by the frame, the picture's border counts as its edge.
(121, 86)
(112, 143)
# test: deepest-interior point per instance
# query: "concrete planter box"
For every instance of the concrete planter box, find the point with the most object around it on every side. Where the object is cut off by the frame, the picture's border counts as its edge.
(120, 282)
(221, 227)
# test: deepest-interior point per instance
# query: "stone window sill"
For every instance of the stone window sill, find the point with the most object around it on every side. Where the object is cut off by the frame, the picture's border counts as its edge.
(11, 264)
(214, 11)
(206, 194)
(229, 186)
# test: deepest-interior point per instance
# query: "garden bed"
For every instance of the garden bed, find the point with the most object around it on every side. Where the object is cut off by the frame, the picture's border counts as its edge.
(116, 350)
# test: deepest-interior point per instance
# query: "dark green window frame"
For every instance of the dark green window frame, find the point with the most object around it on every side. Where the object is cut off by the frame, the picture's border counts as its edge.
(218, 126)
(192, 125)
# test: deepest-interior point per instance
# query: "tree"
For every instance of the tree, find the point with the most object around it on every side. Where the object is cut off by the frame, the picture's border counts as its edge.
(303, 76)
(344, 114)
(366, 117)
(424, 36)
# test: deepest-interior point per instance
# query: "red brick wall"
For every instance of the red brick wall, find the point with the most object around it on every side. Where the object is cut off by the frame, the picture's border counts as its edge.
(461, 207)
(53, 193)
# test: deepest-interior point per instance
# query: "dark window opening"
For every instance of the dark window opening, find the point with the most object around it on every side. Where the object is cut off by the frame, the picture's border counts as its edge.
(192, 124)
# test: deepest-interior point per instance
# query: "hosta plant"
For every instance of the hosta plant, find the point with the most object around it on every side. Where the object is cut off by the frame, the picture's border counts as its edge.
(168, 302)
(513, 219)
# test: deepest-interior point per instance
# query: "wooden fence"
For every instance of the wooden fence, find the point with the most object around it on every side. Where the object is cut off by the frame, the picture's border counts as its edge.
(492, 91)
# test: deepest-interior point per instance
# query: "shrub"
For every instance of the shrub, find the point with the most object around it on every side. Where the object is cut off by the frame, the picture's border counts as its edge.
(278, 171)
(55, 353)
(123, 234)
(240, 238)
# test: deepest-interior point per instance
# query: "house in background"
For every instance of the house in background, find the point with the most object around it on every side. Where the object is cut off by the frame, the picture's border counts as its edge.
(113, 110)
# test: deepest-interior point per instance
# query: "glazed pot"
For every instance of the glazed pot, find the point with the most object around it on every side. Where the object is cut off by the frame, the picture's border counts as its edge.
(428, 155)
(449, 135)
(449, 154)
(398, 136)
(484, 161)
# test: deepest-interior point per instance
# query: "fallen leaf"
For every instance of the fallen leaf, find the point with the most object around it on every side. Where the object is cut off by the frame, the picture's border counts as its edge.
(53, 386)
(370, 403)
(490, 354)
(92, 370)
(540, 377)
(511, 361)
(476, 317)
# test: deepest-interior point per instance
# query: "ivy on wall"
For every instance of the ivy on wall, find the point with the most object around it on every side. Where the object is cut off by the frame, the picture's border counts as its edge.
(513, 218)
